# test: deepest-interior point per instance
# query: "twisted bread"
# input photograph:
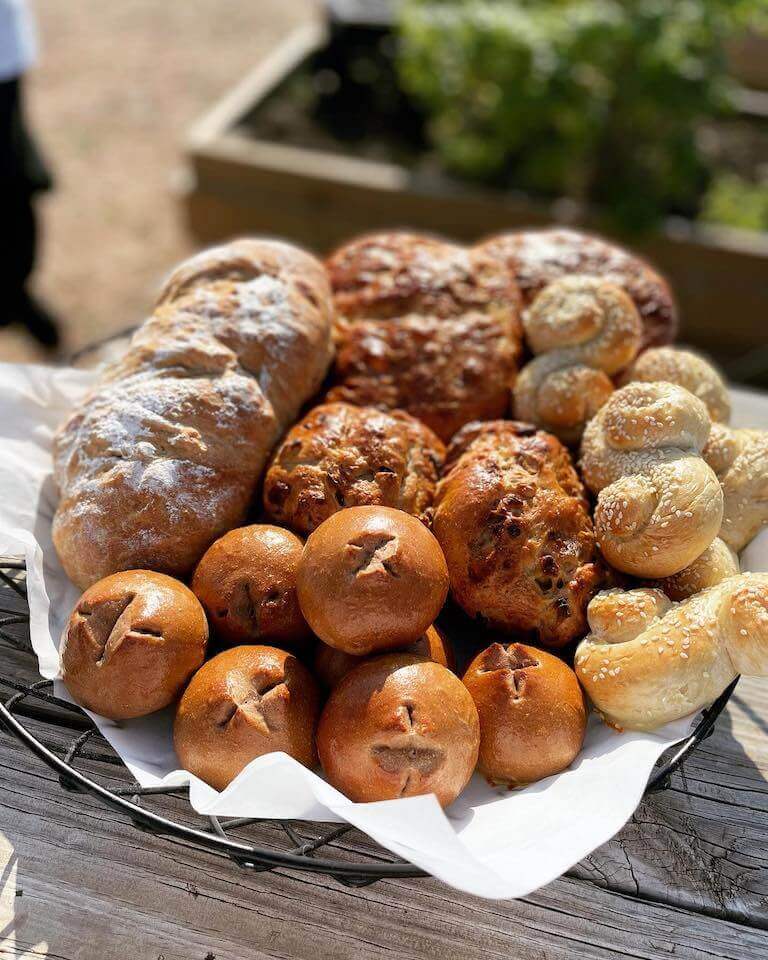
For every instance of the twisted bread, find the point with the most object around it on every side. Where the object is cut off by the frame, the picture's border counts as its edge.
(164, 454)
(740, 460)
(717, 563)
(583, 330)
(424, 326)
(535, 258)
(659, 505)
(686, 369)
(648, 661)
(512, 518)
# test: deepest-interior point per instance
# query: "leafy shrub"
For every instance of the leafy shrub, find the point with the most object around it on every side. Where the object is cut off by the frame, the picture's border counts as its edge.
(596, 99)
(735, 202)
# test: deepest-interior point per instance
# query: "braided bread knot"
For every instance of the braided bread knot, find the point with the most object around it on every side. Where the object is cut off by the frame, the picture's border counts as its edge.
(649, 661)
(583, 330)
(659, 505)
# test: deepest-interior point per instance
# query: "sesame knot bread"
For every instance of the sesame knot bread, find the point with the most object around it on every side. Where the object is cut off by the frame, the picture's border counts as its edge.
(740, 460)
(164, 454)
(649, 661)
(536, 258)
(686, 369)
(512, 518)
(343, 456)
(659, 505)
(583, 330)
(425, 326)
(718, 562)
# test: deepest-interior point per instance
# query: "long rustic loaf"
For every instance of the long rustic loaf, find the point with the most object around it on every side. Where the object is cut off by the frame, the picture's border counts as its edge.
(165, 453)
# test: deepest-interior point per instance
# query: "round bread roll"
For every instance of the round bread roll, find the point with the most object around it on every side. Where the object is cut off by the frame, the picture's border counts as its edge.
(132, 643)
(513, 520)
(246, 581)
(243, 703)
(532, 713)
(344, 456)
(371, 579)
(399, 726)
(424, 326)
(331, 664)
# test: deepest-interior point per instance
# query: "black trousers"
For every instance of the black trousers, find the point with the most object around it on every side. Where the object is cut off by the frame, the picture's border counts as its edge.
(22, 175)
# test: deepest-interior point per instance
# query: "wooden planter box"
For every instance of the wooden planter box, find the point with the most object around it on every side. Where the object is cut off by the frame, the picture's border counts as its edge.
(319, 199)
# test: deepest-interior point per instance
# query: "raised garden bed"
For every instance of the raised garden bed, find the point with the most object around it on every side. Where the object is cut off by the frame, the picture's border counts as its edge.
(293, 152)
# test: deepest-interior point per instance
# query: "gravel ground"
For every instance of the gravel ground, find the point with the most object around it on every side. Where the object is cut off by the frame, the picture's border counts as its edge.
(117, 86)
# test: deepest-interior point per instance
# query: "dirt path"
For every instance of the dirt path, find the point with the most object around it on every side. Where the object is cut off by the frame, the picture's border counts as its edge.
(116, 88)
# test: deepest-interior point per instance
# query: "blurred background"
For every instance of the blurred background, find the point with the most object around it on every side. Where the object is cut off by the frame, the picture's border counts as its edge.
(167, 124)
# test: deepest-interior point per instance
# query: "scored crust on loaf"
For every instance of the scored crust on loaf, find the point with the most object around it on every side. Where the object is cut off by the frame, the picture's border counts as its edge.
(512, 518)
(537, 257)
(163, 455)
(425, 326)
(344, 456)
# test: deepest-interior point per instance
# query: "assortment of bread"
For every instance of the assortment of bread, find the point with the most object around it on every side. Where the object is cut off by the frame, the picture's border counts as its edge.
(199, 456)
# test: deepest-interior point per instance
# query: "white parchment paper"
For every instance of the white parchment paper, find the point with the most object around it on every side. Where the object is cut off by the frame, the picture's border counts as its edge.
(476, 845)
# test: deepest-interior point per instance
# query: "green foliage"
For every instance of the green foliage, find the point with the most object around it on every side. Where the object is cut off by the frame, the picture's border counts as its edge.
(736, 202)
(596, 99)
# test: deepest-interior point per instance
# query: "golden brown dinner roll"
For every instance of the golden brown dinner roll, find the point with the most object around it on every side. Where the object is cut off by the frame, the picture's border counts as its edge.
(537, 257)
(246, 581)
(532, 713)
(399, 726)
(332, 664)
(512, 518)
(425, 326)
(371, 579)
(243, 703)
(344, 456)
(132, 642)
(740, 461)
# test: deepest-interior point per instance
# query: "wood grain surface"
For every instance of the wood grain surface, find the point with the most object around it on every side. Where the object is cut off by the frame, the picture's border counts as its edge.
(687, 877)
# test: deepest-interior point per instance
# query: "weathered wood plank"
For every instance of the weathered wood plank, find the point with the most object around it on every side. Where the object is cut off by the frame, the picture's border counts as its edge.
(79, 883)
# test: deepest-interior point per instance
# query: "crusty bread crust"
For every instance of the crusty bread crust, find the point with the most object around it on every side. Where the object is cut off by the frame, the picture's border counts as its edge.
(344, 456)
(165, 453)
(425, 326)
(512, 518)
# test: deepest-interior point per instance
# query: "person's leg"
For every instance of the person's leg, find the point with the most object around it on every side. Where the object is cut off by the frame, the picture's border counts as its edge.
(21, 175)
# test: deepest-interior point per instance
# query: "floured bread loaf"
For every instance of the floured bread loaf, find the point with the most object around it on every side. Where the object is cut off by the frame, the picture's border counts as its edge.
(165, 453)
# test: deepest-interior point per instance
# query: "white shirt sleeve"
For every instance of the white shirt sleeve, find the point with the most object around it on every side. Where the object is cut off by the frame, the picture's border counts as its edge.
(18, 43)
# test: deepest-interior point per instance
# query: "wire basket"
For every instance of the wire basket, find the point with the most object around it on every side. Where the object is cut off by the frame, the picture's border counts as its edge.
(339, 851)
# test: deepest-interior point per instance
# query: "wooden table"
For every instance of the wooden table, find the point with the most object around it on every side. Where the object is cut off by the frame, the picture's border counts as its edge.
(688, 876)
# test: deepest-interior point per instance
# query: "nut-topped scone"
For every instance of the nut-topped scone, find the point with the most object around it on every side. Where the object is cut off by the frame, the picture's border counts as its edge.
(341, 456)
(512, 518)
(425, 326)
(537, 257)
